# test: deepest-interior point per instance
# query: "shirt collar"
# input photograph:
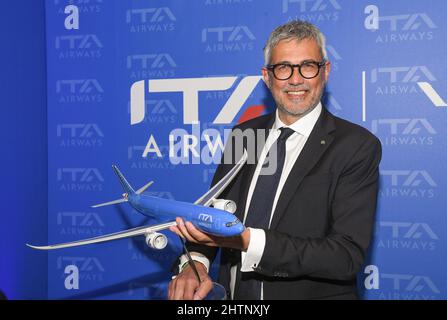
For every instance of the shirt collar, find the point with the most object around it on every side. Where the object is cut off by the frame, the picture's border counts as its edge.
(304, 125)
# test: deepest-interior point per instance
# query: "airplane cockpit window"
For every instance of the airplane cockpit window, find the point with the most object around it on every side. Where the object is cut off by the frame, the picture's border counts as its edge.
(230, 224)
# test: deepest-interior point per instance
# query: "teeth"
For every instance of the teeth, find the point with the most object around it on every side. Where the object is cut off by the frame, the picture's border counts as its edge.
(296, 93)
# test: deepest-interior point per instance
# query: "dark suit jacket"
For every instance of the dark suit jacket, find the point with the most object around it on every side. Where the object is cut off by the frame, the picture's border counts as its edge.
(324, 218)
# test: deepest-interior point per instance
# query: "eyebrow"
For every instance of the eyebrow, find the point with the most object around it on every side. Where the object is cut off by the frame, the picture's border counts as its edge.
(304, 61)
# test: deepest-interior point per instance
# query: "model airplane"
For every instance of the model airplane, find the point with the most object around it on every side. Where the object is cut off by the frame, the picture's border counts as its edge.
(217, 220)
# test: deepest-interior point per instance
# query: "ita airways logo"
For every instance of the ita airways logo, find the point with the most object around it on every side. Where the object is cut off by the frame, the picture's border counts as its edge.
(190, 88)
(228, 39)
(151, 20)
(79, 135)
(412, 236)
(79, 224)
(198, 145)
(407, 184)
(393, 286)
(400, 80)
(151, 65)
(74, 47)
(74, 91)
(312, 10)
(404, 131)
(79, 179)
(400, 27)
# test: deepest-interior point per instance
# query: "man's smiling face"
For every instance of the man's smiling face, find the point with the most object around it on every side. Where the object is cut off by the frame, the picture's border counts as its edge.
(296, 96)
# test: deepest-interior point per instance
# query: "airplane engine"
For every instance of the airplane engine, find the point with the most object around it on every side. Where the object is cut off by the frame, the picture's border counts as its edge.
(223, 204)
(156, 240)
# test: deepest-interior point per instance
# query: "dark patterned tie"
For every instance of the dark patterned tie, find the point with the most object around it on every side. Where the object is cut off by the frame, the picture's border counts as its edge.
(248, 286)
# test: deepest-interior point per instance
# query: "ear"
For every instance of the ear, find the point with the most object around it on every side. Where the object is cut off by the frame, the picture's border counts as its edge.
(266, 77)
(327, 71)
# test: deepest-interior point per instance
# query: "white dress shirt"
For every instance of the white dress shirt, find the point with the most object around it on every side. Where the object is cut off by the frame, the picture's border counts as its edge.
(294, 144)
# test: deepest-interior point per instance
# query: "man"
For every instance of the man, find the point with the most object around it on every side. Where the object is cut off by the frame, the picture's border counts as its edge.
(306, 236)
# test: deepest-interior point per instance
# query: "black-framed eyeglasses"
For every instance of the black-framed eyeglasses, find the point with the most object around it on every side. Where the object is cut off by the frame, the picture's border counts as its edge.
(308, 69)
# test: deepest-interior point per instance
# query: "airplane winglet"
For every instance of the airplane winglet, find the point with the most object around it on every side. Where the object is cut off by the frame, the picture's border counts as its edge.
(220, 186)
(39, 248)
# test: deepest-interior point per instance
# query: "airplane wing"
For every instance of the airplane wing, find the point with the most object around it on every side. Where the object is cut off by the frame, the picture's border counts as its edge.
(214, 192)
(113, 236)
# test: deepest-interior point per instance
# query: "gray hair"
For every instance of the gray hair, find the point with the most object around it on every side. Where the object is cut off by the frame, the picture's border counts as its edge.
(298, 30)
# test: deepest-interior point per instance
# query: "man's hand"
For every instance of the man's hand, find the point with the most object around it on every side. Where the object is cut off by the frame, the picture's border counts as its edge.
(192, 234)
(186, 286)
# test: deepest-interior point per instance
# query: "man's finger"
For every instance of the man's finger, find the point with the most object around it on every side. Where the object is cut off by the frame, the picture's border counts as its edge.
(179, 289)
(176, 231)
(203, 290)
(195, 233)
(184, 231)
(199, 235)
(171, 290)
(190, 288)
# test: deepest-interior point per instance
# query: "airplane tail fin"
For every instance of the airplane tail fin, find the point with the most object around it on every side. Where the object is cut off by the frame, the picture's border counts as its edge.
(127, 187)
(129, 190)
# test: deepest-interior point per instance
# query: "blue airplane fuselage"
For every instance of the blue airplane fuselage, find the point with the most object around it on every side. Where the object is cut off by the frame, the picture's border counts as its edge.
(210, 220)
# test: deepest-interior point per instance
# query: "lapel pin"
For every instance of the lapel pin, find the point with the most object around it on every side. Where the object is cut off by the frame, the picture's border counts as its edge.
(323, 142)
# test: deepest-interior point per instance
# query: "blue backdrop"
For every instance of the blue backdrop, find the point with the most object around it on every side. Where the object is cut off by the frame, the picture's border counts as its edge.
(116, 94)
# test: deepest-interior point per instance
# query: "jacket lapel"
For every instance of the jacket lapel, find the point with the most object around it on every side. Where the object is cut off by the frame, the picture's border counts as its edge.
(317, 143)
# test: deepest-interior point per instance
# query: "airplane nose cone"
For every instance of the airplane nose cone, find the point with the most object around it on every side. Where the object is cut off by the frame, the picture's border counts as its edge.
(237, 229)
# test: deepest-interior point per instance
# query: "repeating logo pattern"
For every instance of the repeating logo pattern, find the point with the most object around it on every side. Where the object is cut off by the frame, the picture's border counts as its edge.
(155, 89)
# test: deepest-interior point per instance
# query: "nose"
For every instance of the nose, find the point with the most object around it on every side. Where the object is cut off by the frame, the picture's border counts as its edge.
(296, 77)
